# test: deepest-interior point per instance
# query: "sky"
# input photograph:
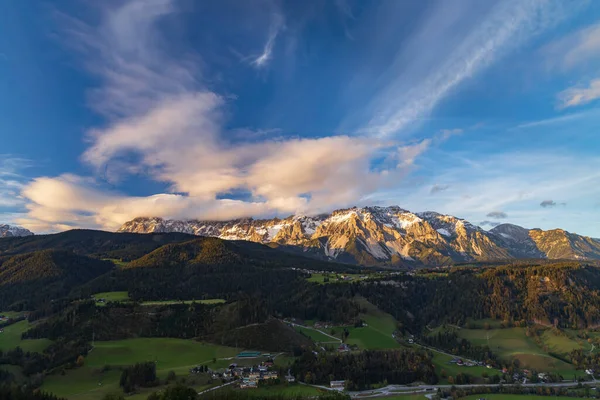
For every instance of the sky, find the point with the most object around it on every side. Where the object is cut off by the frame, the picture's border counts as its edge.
(192, 109)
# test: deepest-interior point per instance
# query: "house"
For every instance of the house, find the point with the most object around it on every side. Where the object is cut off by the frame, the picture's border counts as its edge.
(254, 375)
(343, 348)
(290, 379)
(337, 385)
(249, 354)
(248, 384)
(589, 371)
(270, 375)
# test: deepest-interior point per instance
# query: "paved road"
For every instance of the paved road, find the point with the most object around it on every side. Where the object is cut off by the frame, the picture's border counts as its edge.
(395, 390)
(399, 389)
(216, 387)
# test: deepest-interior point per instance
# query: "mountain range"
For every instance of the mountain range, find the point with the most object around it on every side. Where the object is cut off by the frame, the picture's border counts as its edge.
(13, 231)
(386, 236)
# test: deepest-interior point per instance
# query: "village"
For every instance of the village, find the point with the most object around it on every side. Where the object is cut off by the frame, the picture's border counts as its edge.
(249, 376)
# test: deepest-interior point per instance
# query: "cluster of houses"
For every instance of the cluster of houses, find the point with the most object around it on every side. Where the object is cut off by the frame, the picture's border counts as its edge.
(468, 363)
(251, 376)
(248, 376)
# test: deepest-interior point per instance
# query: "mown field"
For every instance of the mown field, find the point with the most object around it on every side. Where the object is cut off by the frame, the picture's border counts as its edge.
(11, 338)
(100, 373)
(513, 343)
(124, 297)
(378, 332)
(442, 364)
(315, 335)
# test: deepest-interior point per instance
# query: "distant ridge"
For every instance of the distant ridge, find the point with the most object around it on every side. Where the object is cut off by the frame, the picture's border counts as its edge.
(13, 231)
(387, 236)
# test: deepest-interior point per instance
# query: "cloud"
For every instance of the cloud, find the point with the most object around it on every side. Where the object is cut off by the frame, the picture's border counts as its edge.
(551, 204)
(438, 188)
(12, 180)
(162, 122)
(277, 24)
(510, 181)
(576, 49)
(577, 96)
(475, 41)
(552, 121)
(447, 133)
(497, 215)
(489, 223)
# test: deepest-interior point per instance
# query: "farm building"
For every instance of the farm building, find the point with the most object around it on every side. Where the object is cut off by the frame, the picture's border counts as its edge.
(249, 354)
(337, 385)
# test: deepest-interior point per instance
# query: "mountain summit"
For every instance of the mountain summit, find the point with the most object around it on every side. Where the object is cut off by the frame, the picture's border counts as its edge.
(13, 231)
(387, 235)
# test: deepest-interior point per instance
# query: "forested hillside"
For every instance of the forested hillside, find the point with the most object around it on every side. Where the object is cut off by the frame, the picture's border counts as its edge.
(40, 277)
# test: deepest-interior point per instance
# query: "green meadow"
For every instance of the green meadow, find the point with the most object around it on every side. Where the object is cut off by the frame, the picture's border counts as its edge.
(377, 334)
(124, 297)
(11, 338)
(101, 371)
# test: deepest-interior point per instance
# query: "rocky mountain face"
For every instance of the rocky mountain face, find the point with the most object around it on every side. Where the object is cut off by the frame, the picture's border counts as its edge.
(13, 231)
(387, 235)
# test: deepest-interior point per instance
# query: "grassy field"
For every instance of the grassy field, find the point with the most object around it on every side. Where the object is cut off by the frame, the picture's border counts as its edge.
(442, 362)
(378, 332)
(167, 302)
(11, 314)
(91, 383)
(316, 336)
(124, 297)
(513, 343)
(11, 338)
(111, 296)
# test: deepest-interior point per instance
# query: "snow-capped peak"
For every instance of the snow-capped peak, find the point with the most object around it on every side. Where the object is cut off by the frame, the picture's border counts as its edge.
(13, 231)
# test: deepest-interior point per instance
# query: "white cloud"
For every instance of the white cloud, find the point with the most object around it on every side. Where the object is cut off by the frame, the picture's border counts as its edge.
(551, 121)
(277, 24)
(576, 49)
(11, 180)
(454, 43)
(516, 183)
(162, 122)
(577, 96)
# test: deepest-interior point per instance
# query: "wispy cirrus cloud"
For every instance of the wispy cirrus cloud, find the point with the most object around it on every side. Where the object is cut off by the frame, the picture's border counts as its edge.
(12, 179)
(475, 43)
(577, 96)
(574, 50)
(277, 25)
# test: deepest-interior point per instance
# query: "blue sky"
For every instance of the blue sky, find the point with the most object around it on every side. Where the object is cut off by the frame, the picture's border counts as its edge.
(198, 109)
